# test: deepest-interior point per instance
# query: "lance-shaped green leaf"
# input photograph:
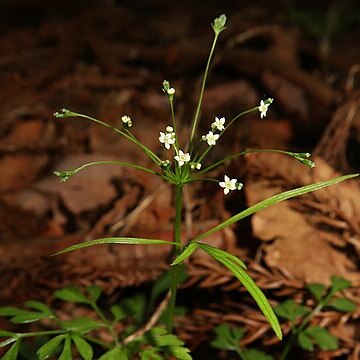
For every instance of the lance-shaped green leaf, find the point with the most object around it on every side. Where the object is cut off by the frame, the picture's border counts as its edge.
(342, 304)
(94, 292)
(72, 294)
(79, 325)
(114, 354)
(187, 252)
(273, 200)
(12, 353)
(50, 347)
(24, 316)
(215, 252)
(250, 286)
(12, 338)
(66, 352)
(83, 347)
(37, 305)
(117, 240)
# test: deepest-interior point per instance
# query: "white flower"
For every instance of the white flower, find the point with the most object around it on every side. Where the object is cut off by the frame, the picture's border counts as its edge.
(263, 108)
(170, 91)
(167, 139)
(169, 129)
(182, 158)
(228, 184)
(211, 138)
(126, 120)
(218, 124)
(198, 166)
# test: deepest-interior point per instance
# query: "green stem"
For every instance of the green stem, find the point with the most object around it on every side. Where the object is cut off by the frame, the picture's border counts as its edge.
(240, 353)
(126, 134)
(114, 162)
(174, 123)
(197, 113)
(106, 323)
(41, 333)
(242, 153)
(174, 270)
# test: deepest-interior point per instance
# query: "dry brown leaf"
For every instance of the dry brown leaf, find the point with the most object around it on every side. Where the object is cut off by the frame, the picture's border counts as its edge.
(297, 245)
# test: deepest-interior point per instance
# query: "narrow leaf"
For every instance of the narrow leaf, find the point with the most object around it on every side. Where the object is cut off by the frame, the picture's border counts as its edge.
(83, 347)
(254, 354)
(114, 354)
(81, 325)
(290, 310)
(118, 312)
(323, 338)
(150, 354)
(72, 294)
(117, 240)
(222, 254)
(37, 305)
(305, 341)
(180, 353)
(339, 283)
(187, 252)
(342, 304)
(227, 337)
(317, 290)
(66, 353)
(94, 291)
(8, 341)
(50, 347)
(28, 316)
(273, 200)
(4, 333)
(12, 353)
(254, 291)
(9, 311)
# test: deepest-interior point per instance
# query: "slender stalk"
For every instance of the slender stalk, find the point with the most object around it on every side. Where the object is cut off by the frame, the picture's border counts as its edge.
(106, 323)
(41, 333)
(127, 134)
(174, 269)
(229, 124)
(174, 123)
(240, 353)
(197, 113)
(242, 153)
(115, 162)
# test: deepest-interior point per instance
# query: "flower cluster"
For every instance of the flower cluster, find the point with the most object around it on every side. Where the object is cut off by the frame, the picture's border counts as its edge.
(127, 122)
(167, 138)
(211, 137)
